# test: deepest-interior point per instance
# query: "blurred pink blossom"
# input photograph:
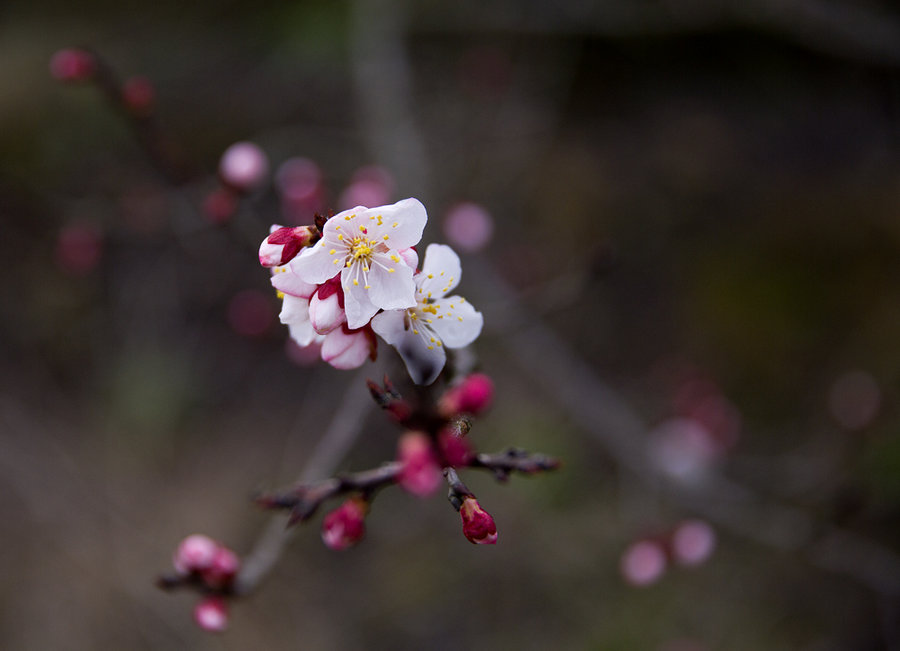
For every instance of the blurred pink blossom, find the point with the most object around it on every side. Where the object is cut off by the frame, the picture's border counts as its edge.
(468, 226)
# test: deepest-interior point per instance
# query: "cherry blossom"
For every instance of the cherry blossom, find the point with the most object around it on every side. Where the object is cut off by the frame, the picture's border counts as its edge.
(421, 332)
(364, 244)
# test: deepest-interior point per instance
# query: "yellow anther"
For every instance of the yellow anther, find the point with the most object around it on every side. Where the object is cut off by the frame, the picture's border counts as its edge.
(332, 252)
(395, 258)
(459, 318)
(394, 225)
(385, 238)
(279, 294)
(391, 270)
(415, 332)
(355, 282)
(430, 309)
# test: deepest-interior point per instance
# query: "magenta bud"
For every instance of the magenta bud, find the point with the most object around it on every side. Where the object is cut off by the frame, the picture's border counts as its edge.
(345, 526)
(456, 449)
(139, 96)
(72, 64)
(420, 473)
(283, 244)
(472, 396)
(211, 614)
(195, 553)
(478, 525)
(220, 205)
(244, 166)
(221, 572)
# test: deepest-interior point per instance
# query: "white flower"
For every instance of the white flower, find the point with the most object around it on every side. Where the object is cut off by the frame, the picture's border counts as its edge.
(364, 245)
(421, 332)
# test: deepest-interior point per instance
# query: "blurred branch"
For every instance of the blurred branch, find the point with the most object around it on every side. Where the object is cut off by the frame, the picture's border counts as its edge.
(339, 437)
(603, 413)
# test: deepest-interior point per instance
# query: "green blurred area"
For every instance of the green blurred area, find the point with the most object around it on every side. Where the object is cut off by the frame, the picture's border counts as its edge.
(714, 190)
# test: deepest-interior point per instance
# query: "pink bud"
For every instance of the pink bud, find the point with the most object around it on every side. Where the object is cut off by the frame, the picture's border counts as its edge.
(250, 313)
(478, 525)
(243, 166)
(345, 349)
(472, 396)
(326, 311)
(221, 572)
(643, 562)
(693, 542)
(455, 448)
(420, 474)
(211, 614)
(345, 526)
(195, 553)
(468, 226)
(138, 95)
(283, 244)
(72, 64)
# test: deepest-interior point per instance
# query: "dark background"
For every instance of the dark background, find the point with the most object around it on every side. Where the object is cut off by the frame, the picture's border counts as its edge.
(683, 192)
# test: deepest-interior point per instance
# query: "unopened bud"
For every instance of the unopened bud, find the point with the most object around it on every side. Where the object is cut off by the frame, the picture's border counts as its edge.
(345, 526)
(138, 96)
(211, 614)
(456, 450)
(326, 311)
(283, 244)
(345, 349)
(194, 554)
(221, 572)
(421, 473)
(72, 64)
(478, 525)
(244, 166)
(472, 396)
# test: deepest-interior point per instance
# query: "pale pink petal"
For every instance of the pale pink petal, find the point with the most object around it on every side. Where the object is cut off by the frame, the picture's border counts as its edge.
(456, 322)
(410, 258)
(325, 314)
(440, 271)
(402, 222)
(287, 282)
(391, 286)
(423, 358)
(295, 315)
(318, 263)
(357, 306)
(345, 350)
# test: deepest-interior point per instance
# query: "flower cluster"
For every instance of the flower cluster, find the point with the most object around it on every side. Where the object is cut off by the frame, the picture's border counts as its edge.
(355, 274)
(210, 568)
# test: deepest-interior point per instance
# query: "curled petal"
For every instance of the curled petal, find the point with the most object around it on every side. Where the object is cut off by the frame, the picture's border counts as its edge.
(287, 282)
(325, 314)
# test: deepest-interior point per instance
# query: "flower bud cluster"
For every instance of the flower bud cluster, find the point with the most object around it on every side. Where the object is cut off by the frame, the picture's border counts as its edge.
(354, 275)
(210, 567)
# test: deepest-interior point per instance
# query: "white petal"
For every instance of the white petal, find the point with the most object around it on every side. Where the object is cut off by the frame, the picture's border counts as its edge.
(287, 282)
(357, 306)
(402, 223)
(440, 271)
(295, 315)
(424, 360)
(456, 322)
(391, 286)
(319, 262)
(325, 315)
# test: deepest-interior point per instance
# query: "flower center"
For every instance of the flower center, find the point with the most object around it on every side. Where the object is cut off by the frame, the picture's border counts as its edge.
(360, 249)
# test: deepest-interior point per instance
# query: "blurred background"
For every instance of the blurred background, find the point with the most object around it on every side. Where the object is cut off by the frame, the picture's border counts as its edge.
(681, 220)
